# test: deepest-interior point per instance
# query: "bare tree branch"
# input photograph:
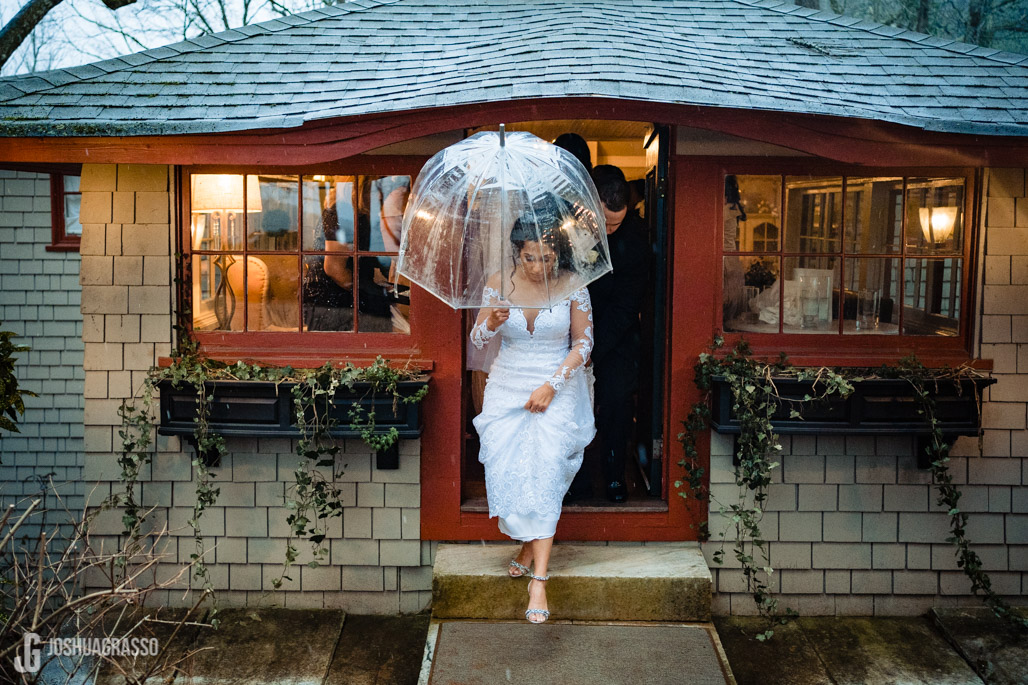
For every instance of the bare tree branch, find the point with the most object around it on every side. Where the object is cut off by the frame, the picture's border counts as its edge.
(14, 33)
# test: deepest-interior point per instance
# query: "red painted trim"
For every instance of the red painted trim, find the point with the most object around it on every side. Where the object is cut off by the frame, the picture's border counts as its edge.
(858, 141)
(59, 240)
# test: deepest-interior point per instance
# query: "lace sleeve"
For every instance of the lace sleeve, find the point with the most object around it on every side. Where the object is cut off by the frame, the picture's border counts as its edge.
(480, 333)
(581, 339)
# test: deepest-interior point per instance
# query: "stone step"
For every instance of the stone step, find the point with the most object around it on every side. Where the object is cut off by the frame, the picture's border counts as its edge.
(655, 582)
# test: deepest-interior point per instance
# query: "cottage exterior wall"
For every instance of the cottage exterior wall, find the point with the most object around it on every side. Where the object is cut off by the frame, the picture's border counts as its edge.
(377, 562)
(852, 523)
(39, 301)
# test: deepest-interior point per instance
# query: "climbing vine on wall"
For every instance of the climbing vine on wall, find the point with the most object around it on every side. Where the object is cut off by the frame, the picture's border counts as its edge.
(755, 401)
(312, 500)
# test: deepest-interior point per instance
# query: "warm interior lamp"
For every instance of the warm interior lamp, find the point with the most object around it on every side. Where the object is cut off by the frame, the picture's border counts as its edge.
(224, 193)
(937, 223)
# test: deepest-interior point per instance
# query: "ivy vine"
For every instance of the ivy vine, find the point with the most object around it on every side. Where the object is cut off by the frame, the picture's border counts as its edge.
(755, 402)
(313, 499)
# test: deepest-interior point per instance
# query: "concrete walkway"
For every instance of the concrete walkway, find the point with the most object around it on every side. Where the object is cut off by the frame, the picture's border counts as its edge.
(870, 651)
(328, 647)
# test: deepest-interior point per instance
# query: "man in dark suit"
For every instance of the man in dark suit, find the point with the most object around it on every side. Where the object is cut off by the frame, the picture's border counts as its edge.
(617, 301)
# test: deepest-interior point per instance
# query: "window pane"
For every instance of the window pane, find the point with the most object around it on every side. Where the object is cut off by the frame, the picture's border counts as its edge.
(217, 292)
(871, 296)
(71, 184)
(874, 215)
(216, 204)
(271, 293)
(751, 296)
(377, 299)
(811, 295)
(328, 293)
(273, 213)
(935, 208)
(327, 212)
(756, 216)
(931, 297)
(382, 201)
(813, 215)
(71, 214)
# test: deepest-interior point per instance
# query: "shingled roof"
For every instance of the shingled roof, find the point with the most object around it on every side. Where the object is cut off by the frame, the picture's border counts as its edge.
(377, 56)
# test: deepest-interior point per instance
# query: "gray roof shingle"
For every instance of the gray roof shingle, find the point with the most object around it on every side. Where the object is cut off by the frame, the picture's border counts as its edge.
(377, 56)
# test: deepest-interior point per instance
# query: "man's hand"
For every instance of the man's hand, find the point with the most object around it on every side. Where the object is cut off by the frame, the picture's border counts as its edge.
(540, 399)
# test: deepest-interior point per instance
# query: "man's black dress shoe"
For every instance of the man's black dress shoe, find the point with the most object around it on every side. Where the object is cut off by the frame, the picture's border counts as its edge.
(617, 491)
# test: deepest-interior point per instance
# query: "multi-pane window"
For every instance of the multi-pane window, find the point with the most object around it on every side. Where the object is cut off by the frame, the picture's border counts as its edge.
(276, 252)
(855, 255)
(65, 198)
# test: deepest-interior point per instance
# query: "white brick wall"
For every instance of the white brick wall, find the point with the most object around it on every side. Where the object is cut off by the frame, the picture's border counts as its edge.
(377, 562)
(39, 300)
(853, 526)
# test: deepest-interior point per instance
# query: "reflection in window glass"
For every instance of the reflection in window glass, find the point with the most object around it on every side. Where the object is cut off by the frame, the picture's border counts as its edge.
(271, 293)
(273, 214)
(811, 295)
(246, 265)
(751, 296)
(217, 303)
(216, 206)
(377, 310)
(381, 205)
(327, 212)
(814, 214)
(328, 292)
(870, 296)
(874, 215)
(72, 201)
(935, 208)
(931, 297)
(752, 224)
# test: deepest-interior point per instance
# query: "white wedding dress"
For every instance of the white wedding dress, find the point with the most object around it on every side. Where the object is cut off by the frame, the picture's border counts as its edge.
(531, 458)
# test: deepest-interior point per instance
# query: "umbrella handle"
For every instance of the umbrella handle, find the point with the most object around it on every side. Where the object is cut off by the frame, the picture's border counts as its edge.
(502, 133)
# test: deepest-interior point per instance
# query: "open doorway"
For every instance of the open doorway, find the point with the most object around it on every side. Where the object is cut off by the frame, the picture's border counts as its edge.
(640, 150)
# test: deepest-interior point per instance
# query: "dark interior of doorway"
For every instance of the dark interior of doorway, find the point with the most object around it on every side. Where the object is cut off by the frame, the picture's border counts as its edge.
(640, 150)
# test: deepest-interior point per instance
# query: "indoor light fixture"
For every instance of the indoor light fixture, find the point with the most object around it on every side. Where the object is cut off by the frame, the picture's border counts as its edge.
(937, 223)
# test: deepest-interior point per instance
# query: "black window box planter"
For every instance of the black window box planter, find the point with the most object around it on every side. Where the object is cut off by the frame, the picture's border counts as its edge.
(877, 406)
(266, 409)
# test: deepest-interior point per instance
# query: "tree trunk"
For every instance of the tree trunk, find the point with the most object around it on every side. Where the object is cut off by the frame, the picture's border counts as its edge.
(977, 16)
(922, 23)
(28, 17)
(18, 29)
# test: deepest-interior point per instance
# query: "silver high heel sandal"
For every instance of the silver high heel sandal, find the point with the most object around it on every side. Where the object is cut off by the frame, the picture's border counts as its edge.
(540, 612)
(521, 567)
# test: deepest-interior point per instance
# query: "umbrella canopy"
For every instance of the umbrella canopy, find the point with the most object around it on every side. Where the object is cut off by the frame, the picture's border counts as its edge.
(509, 211)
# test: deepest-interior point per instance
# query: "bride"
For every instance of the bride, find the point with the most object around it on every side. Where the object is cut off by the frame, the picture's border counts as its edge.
(537, 415)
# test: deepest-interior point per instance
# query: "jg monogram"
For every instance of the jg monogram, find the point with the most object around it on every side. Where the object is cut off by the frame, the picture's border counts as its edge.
(28, 660)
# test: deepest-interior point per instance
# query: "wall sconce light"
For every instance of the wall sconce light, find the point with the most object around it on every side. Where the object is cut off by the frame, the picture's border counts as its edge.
(937, 223)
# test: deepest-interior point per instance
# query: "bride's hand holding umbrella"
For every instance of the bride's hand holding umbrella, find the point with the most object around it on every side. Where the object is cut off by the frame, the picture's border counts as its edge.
(497, 317)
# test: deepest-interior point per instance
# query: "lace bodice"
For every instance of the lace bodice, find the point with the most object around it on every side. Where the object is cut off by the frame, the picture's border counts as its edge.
(563, 333)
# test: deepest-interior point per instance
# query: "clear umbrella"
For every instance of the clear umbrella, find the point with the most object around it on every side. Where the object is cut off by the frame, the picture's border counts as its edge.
(508, 211)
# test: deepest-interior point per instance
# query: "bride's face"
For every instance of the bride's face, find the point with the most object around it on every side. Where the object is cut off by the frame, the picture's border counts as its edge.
(537, 261)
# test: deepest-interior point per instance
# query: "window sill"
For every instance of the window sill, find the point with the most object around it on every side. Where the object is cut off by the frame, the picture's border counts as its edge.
(301, 360)
(857, 351)
(63, 247)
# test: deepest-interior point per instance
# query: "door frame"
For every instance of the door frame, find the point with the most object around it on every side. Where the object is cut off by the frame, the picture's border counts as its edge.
(687, 327)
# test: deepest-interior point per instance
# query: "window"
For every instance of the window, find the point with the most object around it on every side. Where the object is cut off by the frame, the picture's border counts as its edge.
(65, 198)
(847, 255)
(294, 253)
